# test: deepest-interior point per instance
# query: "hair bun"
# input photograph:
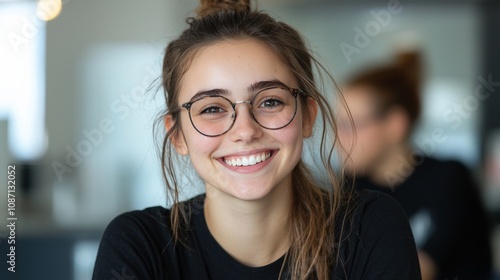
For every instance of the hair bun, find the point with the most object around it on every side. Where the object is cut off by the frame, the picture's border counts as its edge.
(411, 63)
(210, 7)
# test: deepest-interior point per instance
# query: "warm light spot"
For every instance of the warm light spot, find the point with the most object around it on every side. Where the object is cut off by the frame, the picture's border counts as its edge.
(48, 9)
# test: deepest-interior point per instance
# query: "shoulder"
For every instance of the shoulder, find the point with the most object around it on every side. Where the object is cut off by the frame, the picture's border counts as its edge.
(446, 180)
(444, 167)
(378, 244)
(373, 203)
(376, 214)
(139, 243)
(130, 240)
(153, 219)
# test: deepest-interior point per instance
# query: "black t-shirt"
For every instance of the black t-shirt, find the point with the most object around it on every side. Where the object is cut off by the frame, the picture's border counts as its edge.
(139, 244)
(446, 216)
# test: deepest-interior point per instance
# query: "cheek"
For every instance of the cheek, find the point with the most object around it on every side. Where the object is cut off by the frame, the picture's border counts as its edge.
(197, 144)
(372, 140)
(346, 138)
(291, 137)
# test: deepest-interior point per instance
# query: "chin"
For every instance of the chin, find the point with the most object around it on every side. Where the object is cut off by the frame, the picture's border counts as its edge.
(250, 192)
(251, 188)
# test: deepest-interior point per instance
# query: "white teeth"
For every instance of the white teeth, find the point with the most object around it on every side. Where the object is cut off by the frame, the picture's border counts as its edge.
(248, 160)
(251, 160)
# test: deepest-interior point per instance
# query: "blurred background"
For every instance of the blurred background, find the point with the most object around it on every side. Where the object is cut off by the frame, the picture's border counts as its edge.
(77, 104)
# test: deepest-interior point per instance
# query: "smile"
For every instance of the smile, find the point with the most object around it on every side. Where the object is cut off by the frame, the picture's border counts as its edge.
(247, 160)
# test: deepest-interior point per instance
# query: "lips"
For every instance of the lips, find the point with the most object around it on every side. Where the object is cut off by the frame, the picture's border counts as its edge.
(247, 160)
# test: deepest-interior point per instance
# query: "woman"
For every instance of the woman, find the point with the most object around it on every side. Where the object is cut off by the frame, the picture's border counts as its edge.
(439, 197)
(241, 99)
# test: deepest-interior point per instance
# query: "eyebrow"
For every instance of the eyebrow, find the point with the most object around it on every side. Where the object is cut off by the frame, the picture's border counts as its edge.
(251, 89)
(211, 92)
(265, 84)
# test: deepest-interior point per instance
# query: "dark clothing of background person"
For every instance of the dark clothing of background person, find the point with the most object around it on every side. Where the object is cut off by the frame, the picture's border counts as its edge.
(446, 215)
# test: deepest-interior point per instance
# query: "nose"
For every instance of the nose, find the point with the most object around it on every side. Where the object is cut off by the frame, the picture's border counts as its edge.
(245, 128)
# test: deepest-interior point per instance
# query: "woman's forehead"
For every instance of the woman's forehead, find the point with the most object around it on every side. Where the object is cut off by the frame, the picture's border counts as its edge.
(233, 66)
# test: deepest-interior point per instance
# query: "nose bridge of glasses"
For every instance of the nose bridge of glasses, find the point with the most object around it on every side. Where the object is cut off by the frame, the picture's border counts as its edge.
(244, 121)
(249, 102)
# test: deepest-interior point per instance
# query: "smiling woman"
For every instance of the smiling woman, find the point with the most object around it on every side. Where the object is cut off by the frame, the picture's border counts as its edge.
(240, 100)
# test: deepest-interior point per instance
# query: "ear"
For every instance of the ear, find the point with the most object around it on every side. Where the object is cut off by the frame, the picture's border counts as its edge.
(397, 125)
(309, 120)
(176, 138)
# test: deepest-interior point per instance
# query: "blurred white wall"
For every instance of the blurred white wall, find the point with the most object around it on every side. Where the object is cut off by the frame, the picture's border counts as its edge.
(101, 58)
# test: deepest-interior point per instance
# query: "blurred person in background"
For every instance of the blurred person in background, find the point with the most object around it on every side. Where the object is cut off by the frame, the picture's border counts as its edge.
(439, 197)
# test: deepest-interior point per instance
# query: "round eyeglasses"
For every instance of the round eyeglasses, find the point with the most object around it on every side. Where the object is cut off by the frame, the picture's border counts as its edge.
(272, 108)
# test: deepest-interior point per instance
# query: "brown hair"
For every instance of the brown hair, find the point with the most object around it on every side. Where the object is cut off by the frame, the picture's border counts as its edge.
(397, 84)
(315, 209)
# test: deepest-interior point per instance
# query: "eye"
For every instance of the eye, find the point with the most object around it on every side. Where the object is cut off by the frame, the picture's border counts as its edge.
(271, 103)
(212, 110)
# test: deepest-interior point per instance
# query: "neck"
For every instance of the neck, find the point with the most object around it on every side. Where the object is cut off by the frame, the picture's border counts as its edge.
(255, 233)
(393, 168)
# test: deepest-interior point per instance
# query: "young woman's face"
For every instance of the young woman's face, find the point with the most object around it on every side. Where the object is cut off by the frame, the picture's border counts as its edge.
(236, 69)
